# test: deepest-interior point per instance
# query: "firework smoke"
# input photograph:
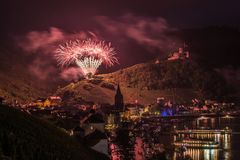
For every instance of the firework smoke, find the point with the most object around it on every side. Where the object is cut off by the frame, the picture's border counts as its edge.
(87, 54)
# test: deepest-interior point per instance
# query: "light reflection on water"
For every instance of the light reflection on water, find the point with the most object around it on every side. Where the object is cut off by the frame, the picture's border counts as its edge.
(200, 154)
(210, 154)
(138, 149)
(142, 144)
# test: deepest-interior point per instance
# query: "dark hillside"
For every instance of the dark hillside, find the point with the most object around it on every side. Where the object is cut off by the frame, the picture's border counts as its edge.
(24, 137)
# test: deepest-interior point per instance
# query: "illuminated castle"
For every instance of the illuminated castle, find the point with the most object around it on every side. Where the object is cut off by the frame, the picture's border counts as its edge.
(180, 54)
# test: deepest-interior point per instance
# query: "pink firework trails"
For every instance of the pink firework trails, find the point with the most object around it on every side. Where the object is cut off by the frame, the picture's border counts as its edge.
(87, 54)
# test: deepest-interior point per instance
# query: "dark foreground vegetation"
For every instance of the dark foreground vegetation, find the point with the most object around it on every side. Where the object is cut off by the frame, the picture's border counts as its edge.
(23, 137)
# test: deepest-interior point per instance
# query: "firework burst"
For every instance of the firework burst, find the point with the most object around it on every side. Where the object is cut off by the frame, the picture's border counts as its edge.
(87, 54)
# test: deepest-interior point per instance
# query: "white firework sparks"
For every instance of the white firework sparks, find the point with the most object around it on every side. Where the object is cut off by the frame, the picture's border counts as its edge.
(87, 54)
(89, 65)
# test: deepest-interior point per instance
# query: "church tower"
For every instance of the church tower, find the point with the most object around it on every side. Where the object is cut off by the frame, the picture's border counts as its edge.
(119, 105)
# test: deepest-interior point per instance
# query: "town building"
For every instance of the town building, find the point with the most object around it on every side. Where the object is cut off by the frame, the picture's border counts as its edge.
(116, 114)
(102, 145)
(51, 101)
(92, 123)
(119, 104)
(78, 132)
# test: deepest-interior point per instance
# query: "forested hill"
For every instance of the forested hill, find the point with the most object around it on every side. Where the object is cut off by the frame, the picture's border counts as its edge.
(179, 80)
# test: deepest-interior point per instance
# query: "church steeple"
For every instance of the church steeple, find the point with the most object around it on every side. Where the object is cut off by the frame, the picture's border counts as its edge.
(118, 92)
(119, 105)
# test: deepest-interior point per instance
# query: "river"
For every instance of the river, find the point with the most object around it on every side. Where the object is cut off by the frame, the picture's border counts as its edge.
(139, 143)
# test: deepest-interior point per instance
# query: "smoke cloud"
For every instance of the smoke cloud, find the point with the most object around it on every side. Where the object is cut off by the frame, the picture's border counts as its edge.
(43, 45)
(41, 68)
(41, 40)
(153, 33)
(47, 41)
(72, 73)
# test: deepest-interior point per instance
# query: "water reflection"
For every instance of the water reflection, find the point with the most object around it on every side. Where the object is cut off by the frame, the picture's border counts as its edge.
(138, 149)
(114, 152)
(143, 143)
(200, 154)
(196, 153)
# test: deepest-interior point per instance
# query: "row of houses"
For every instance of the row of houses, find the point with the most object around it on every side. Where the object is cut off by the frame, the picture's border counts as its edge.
(51, 101)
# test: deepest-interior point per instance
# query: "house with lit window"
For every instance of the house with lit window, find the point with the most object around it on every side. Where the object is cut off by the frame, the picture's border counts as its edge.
(92, 123)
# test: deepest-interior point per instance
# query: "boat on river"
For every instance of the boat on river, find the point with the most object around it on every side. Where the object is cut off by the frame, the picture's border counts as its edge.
(203, 131)
(195, 143)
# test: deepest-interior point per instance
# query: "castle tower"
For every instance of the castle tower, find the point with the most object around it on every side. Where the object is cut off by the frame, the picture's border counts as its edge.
(119, 105)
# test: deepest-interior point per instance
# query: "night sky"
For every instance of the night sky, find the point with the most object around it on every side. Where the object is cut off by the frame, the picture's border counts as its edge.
(139, 30)
(22, 16)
